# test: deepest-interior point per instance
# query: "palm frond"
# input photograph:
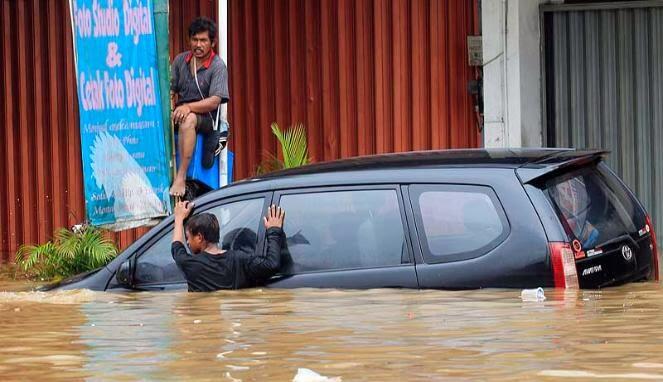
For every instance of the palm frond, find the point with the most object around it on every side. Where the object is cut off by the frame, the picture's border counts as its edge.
(69, 253)
(294, 145)
(29, 257)
(98, 251)
(68, 243)
(24, 252)
(269, 164)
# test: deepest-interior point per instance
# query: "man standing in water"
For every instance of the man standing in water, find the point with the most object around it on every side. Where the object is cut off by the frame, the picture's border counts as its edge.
(200, 84)
(210, 268)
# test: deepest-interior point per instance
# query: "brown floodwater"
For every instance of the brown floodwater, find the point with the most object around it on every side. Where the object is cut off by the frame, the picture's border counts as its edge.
(374, 335)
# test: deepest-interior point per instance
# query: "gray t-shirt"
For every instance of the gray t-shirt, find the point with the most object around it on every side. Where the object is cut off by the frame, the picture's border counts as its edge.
(212, 78)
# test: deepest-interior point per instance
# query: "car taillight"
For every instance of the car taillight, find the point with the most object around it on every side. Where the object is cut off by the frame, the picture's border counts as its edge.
(563, 265)
(654, 250)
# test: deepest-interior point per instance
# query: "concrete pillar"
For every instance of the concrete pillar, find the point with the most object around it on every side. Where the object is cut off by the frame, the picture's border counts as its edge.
(223, 29)
(512, 73)
(223, 42)
(223, 52)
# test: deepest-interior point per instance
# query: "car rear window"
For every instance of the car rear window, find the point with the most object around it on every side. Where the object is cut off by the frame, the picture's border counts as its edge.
(594, 206)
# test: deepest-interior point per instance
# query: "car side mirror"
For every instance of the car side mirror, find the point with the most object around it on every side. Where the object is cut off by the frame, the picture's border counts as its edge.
(125, 273)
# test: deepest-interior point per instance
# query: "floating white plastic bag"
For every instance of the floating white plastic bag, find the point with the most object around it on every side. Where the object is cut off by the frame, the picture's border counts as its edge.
(533, 294)
(308, 375)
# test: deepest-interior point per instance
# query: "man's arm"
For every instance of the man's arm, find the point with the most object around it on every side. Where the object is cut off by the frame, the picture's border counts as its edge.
(177, 249)
(259, 266)
(219, 83)
(199, 107)
(182, 211)
(173, 100)
(175, 75)
(205, 105)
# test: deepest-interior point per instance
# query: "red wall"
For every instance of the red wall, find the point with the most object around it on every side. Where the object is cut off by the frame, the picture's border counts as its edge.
(365, 77)
(41, 180)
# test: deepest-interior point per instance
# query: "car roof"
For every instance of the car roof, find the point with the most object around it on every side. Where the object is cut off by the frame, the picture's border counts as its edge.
(509, 158)
(353, 169)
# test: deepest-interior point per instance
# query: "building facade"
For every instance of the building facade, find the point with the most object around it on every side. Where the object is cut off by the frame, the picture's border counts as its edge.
(363, 77)
(583, 74)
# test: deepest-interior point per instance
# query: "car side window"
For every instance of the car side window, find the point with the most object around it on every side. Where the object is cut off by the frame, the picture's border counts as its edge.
(457, 222)
(343, 230)
(239, 223)
(156, 264)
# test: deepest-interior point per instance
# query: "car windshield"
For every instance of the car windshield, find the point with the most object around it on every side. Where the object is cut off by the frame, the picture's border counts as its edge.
(594, 206)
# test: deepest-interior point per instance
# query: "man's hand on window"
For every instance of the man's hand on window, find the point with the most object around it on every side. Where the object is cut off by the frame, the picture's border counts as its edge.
(274, 218)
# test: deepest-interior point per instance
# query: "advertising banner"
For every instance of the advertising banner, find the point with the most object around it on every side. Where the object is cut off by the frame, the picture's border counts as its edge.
(125, 158)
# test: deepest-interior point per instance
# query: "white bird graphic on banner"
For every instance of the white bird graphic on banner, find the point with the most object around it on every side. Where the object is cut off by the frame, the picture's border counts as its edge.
(120, 176)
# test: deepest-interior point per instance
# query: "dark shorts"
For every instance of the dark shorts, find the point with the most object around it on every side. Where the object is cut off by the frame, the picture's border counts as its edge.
(204, 124)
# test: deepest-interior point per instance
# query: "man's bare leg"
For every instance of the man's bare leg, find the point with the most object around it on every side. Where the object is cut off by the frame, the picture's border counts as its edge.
(186, 145)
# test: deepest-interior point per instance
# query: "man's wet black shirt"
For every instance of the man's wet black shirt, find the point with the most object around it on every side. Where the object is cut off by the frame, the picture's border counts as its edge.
(232, 269)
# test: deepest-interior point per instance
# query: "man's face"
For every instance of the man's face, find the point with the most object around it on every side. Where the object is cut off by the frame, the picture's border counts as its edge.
(195, 242)
(201, 44)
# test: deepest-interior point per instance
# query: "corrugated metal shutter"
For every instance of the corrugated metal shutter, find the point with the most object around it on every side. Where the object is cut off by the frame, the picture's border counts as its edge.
(365, 77)
(604, 89)
(41, 186)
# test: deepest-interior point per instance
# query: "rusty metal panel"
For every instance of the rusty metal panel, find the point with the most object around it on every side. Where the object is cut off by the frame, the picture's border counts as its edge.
(41, 180)
(40, 184)
(366, 76)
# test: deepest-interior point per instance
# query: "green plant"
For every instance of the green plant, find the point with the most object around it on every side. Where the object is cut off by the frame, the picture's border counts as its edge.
(294, 149)
(69, 253)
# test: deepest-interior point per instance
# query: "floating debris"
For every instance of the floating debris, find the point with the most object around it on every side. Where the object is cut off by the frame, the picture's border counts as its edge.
(535, 295)
(308, 375)
(59, 297)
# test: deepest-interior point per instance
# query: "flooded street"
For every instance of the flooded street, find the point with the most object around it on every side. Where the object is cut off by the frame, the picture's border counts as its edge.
(376, 335)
